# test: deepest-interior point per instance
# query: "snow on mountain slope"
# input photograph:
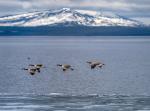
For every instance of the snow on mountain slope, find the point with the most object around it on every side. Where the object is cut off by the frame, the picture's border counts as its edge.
(66, 16)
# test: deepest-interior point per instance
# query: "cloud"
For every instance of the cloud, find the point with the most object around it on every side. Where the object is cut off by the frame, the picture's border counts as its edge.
(145, 20)
(114, 4)
(127, 7)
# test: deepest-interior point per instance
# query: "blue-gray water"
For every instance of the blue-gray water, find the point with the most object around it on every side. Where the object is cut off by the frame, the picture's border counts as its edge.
(122, 84)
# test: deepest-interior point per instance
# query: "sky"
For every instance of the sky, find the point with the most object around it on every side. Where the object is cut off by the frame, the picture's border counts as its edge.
(135, 9)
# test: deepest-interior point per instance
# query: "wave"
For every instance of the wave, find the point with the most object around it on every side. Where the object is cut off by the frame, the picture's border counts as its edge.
(73, 95)
(64, 102)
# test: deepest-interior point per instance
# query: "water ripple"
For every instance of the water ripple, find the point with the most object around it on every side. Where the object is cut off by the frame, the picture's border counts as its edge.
(60, 102)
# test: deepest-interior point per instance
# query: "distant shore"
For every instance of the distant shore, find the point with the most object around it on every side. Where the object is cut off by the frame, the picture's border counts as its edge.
(74, 31)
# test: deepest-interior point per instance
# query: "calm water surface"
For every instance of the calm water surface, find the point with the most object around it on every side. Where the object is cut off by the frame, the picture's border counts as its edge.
(122, 84)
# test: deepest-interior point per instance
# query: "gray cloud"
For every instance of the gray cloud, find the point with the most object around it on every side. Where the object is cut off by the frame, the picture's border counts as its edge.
(124, 7)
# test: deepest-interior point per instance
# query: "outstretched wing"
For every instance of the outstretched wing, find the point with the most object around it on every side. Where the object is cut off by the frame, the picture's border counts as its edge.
(32, 73)
(64, 69)
(93, 66)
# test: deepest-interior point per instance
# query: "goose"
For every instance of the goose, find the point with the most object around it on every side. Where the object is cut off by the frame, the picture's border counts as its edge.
(30, 70)
(37, 66)
(94, 64)
(65, 67)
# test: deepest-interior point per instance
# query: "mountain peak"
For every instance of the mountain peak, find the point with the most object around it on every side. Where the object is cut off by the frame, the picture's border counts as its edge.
(66, 9)
(66, 16)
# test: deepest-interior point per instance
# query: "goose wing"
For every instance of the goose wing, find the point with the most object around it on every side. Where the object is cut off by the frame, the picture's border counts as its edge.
(39, 65)
(32, 73)
(93, 66)
(64, 69)
(67, 66)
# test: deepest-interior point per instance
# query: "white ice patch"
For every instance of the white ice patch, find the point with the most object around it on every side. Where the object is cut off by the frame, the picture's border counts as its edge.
(92, 18)
(88, 12)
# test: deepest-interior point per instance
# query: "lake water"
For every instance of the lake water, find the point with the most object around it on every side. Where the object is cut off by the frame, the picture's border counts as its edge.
(121, 85)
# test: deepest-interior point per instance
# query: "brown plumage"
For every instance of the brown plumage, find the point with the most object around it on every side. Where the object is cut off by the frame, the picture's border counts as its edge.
(37, 66)
(31, 71)
(94, 64)
(65, 67)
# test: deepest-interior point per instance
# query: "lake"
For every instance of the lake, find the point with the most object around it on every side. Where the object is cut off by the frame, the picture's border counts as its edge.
(122, 84)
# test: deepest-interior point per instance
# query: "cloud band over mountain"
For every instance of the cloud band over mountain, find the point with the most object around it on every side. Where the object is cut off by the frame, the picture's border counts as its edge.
(131, 8)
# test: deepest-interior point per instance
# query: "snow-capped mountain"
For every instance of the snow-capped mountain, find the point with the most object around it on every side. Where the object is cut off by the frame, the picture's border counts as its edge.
(66, 16)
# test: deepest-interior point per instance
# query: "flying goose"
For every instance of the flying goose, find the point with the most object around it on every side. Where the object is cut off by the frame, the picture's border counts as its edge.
(65, 67)
(94, 64)
(30, 70)
(37, 66)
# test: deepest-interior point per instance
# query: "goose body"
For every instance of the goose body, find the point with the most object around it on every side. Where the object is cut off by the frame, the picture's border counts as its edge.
(94, 64)
(37, 66)
(31, 71)
(65, 66)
